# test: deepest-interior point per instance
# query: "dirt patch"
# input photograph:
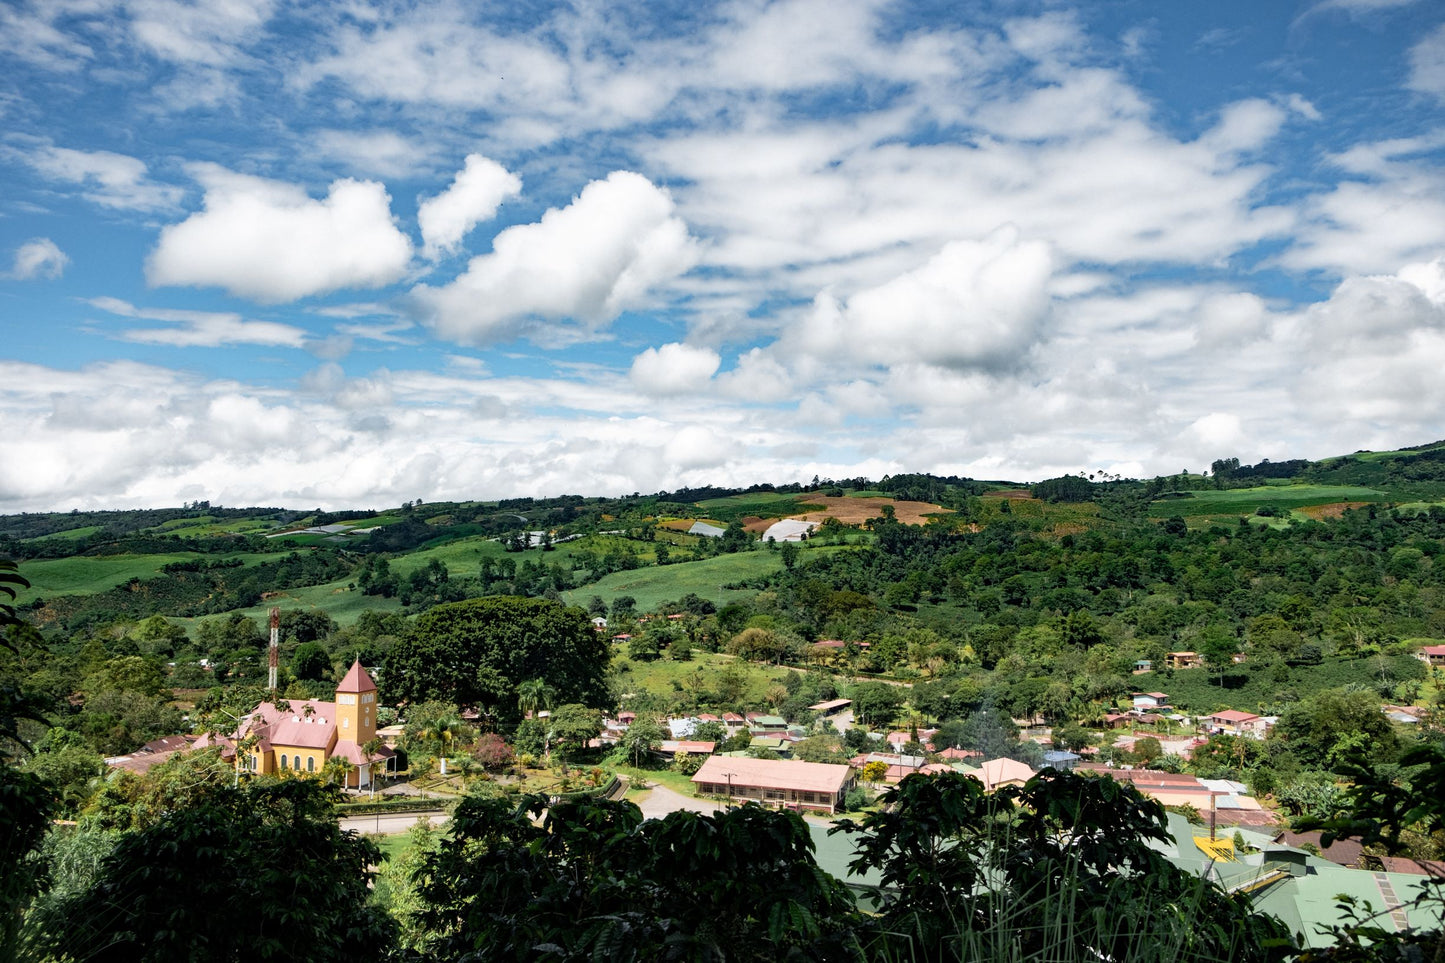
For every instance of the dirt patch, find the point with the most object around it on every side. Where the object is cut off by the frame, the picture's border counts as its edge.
(756, 525)
(856, 511)
(1332, 510)
(1008, 493)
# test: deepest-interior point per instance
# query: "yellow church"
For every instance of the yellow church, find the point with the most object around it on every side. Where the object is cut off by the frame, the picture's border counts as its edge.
(308, 733)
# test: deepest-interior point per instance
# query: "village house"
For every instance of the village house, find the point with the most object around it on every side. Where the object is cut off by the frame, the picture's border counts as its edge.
(1233, 722)
(775, 782)
(1184, 660)
(1432, 655)
(302, 736)
(831, 708)
(1149, 701)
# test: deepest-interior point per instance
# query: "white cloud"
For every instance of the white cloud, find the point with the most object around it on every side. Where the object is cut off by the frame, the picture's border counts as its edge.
(674, 369)
(1246, 125)
(587, 262)
(200, 329)
(1391, 213)
(111, 180)
(205, 33)
(1427, 64)
(271, 242)
(39, 258)
(473, 197)
(28, 31)
(384, 153)
(974, 304)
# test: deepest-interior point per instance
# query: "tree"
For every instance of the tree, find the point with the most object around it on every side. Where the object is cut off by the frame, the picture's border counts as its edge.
(155, 896)
(591, 880)
(310, 661)
(643, 735)
(1217, 647)
(573, 726)
(25, 807)
(512, 639)
(972, 875)
(533, 696)
(492, 752)
(876, 702)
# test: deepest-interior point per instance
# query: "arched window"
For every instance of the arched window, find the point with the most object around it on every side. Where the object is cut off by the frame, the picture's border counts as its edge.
(310, 763)
(283, 760)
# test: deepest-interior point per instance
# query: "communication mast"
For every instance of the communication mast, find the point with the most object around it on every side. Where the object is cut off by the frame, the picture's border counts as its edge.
(273, 657)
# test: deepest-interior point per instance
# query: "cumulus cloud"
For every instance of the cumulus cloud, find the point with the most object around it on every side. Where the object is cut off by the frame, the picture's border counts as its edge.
(200, 329)
(674, 369)
(587, 262)
(38, 259)
(474, 196)
(271, 242)
(976, 303)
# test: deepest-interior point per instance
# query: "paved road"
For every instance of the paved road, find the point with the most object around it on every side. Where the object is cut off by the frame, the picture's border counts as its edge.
(660, 801)
(389, 825)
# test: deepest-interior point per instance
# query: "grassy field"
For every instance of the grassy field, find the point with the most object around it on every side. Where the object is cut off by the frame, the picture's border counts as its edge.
(760, 504)
(87, 575)
(672, 680)
(655, 584)
(74, 534)
(342, 604)
(1243, 501)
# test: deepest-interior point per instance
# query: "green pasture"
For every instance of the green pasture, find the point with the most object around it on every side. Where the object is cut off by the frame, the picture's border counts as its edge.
(1376, 456)
(334, 598)
(676, 680)
(761, 504)
(204, 525)
(655, 584)
(1243, 501)
(87, 575)
(73, 534)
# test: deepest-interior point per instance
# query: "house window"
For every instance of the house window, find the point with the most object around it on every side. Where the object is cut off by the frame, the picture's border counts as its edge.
(283, 760)
(772, 794)
(310, 763)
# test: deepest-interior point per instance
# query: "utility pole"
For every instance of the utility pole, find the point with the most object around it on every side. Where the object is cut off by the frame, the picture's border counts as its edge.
(273, 657)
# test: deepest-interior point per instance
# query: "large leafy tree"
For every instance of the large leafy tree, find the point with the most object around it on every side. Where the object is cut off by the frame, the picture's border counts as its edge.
(593, 881)
(477, 652)
(968, 874)
(262, 871)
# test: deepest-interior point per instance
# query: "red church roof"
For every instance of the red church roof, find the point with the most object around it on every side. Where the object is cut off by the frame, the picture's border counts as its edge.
(356, 680)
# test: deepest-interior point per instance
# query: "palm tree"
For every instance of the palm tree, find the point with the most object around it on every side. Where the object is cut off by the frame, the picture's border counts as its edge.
(372, 749)
(337, 770)
(535, 695)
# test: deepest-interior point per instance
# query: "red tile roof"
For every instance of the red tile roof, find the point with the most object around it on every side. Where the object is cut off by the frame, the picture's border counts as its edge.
(1233, 715)
(356, 680)
(774, 774)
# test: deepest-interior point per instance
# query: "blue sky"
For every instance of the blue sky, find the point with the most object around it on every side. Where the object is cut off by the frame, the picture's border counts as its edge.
(345, 255)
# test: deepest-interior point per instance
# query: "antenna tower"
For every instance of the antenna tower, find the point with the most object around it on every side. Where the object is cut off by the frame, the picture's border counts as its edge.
(273, 657)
